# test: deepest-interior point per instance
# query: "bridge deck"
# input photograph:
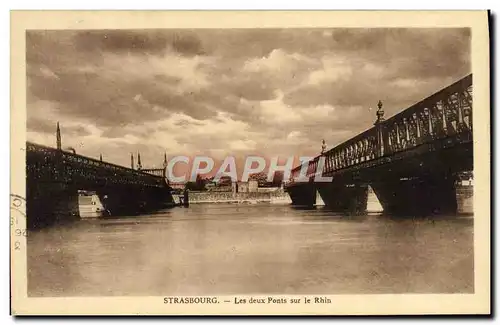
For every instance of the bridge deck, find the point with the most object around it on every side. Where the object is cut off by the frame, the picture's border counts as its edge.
(52, 165)
(440, 121)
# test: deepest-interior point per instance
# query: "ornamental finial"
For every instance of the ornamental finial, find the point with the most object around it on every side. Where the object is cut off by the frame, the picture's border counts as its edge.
(139, 165)
(380, 112)
(58, 137)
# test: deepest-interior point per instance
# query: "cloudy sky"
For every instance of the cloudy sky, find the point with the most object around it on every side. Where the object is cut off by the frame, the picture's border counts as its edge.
(271, 92)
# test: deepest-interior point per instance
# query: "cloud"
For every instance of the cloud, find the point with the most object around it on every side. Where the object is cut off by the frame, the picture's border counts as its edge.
(277, 112)
(46, 72)
(293, 135)
(183, 73)
(332, 69)
(243, 145)
(40, 125)
(225, 91)
(152, 41)
(109, 96)
(277, 61)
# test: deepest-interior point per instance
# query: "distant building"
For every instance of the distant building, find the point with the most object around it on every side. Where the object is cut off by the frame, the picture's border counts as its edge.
(210, 185)
(467, 182)
(245, 187)
(177, 185)
(221, 188)
(242, 187)
(465, 179)
(268, 189)
(253, 186)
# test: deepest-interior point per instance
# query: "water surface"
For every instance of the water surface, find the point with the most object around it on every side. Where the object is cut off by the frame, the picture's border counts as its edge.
(251, 249)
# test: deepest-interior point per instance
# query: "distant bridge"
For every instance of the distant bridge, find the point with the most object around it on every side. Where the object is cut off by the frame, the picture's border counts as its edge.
(411, 160)
(54, 176)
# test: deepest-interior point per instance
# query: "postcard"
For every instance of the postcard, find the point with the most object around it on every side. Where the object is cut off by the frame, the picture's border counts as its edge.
(250, 163)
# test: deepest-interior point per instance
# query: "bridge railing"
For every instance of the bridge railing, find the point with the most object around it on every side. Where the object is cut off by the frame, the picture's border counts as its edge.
(358, 149)
(161, 172)
(445, 114)
(74, 165)
(312, 166)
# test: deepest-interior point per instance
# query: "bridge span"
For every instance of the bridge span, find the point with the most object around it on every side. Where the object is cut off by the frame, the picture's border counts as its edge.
(411, 160)
(54, 177)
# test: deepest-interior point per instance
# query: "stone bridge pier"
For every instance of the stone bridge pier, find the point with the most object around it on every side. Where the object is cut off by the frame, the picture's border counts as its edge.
(132, 200)
(303, 194)
(51, 203)
(54, 178)
(412, 160)
(422, 195)
(344, 197)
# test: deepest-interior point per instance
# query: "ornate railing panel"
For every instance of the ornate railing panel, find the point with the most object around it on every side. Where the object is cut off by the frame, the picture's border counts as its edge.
(49, 164)
(448, 113)
(445, 114)
(161, 172)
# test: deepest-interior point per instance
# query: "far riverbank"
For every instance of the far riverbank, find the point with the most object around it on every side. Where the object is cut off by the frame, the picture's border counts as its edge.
(278, 196)
(464, 198)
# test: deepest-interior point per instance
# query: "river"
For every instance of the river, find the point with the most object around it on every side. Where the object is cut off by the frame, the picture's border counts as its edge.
(218, 249)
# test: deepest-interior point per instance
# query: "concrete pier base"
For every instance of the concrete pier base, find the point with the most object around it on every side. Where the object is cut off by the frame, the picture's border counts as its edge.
(122, 201)
(373, 204)
(350, 198)
(465, 199)
(302, 194)
(319, 200)
(47, 204)
(418, 196)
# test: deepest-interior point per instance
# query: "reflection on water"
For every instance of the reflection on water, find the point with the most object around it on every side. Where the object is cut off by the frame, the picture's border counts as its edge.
(237, 249)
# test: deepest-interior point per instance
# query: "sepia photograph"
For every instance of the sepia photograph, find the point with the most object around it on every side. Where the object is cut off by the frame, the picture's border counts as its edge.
(246, 166)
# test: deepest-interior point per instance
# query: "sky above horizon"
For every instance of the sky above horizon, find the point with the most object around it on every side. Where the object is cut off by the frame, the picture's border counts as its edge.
(220, 92)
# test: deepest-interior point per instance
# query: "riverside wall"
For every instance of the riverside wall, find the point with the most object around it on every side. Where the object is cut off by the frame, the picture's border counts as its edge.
(464, 198)
(278, 196)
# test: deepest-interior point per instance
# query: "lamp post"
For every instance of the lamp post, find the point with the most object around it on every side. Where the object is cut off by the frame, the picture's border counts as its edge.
(379, 129)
